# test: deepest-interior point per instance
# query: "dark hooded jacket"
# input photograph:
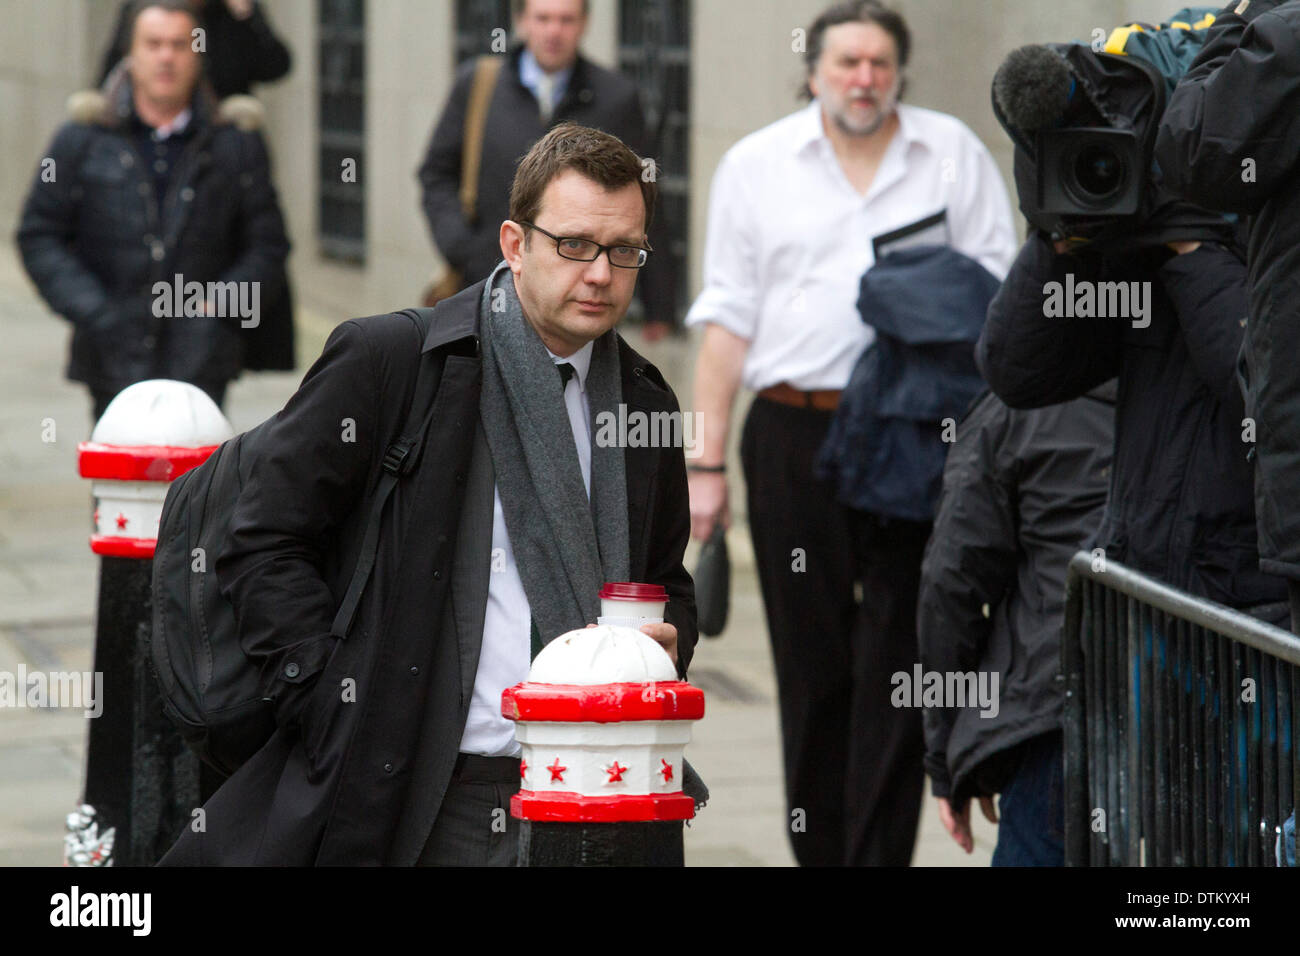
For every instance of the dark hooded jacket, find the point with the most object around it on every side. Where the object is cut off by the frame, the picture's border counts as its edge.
(1180, 506)
(96, 239)
(360, 782)
(1022, 492)
(1230, 140)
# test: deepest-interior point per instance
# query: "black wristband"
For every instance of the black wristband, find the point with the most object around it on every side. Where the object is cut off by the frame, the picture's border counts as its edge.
(715, 469)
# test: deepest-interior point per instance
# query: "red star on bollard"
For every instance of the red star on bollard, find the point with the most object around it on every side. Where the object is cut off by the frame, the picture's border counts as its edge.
(121, 522)
(666, 770)
(615, 772)
(557, 772)
(523, 769)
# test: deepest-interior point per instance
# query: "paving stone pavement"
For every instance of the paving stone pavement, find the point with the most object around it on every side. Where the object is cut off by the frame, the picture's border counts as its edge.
(48, 590)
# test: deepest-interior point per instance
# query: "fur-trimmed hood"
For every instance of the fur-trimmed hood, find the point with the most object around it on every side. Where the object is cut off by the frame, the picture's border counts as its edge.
(110, 105)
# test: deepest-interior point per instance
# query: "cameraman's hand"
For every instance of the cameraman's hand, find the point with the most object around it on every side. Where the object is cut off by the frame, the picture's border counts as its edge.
(1184, 246)
(1063, 247)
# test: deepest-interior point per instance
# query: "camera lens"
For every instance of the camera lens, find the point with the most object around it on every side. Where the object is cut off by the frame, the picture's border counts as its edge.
(1098, 172)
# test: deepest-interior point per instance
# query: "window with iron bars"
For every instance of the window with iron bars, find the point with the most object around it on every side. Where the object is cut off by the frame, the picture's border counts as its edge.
(342, 114)
(654, 52)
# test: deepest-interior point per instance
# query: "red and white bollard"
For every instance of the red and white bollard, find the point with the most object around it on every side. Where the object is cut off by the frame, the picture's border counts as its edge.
(142, 782)
(603, 722)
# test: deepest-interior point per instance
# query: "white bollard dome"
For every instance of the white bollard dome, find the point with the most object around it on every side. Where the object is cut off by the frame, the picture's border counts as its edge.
(151, 433)
(161, 412)
(605, 654)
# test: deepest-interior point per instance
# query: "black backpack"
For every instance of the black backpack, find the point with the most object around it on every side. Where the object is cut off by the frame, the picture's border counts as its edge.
(211, 690)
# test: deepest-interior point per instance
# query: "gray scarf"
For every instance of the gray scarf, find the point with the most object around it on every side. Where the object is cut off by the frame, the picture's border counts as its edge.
(565, 546)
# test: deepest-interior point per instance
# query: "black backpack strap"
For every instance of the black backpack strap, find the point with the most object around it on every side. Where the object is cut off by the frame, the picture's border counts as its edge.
(399, 460)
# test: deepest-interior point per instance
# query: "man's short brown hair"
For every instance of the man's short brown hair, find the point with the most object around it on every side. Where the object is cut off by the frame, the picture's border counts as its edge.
(602, 158)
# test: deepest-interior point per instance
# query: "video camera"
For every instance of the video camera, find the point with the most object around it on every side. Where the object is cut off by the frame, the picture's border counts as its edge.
(1084, 124)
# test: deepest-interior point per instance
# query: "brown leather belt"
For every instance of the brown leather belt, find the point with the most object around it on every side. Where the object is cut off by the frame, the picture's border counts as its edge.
(825, 400)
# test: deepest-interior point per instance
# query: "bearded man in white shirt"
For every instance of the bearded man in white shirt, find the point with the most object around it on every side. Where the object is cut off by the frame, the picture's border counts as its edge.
(793, 212)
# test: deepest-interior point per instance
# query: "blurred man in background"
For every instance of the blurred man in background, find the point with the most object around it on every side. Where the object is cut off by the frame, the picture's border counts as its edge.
(793, 212)
(153, 225)
(540, 83)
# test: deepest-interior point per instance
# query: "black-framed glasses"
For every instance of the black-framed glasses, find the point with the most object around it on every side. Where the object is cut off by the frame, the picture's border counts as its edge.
(587, 250)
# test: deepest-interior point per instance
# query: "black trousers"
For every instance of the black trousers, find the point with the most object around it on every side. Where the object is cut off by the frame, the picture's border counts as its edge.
(474, 826)
(853, 762)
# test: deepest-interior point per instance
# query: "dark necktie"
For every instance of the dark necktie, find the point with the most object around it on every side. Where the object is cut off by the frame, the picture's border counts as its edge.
(566, 372)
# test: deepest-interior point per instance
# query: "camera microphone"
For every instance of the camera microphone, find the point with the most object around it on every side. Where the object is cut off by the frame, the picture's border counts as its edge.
(1033, 88)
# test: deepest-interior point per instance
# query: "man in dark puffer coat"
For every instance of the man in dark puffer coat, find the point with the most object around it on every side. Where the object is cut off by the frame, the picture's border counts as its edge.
(152, 179)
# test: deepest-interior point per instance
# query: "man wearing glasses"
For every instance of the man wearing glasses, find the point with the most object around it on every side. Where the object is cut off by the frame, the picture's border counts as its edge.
(792, 217)
(497, 542)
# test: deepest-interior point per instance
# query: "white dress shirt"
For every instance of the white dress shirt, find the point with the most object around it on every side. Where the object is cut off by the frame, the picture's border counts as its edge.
(789, 238)
(505, 656)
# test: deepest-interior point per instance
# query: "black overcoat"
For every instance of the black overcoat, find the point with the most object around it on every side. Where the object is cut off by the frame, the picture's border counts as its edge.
(356, 784)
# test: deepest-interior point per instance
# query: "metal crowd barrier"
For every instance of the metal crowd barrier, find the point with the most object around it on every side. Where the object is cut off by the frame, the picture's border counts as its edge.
(1181, 718)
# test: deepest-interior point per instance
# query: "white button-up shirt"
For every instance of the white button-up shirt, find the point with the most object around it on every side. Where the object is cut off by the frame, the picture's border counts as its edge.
(506, 654)
(789, 238)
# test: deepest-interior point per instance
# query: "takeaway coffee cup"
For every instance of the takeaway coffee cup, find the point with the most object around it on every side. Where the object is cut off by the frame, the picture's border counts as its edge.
(631, 605)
